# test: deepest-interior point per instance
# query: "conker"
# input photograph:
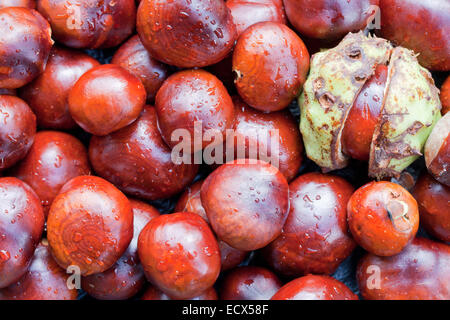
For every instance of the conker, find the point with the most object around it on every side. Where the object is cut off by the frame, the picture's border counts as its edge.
(247, 203)
(90, 225)
(315, 238)
(26, 42)
(186, 34)
(433, 199)
(53, 160)
(17, 130)
(126, 277)
(437, 151)
(21, 226)
(383, 217)
(105, 99)
(179, 254)
(89, 24)
(270, 63)
(142, 164)
(249, 283)
(153, 293)
(47, 95)
(445, 96)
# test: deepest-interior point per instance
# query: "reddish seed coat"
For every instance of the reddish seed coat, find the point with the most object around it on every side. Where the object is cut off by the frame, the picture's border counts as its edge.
(18, 3)
(186, 34)
(423, 26)
(142, 163)
(105, 99)
(26, 42)
(44, 280)
(445, 96)
(315, 237)
(21, 226)
(364, 115)
(314, 287)
(383, 217)
(437, 151)
(249, 283)
(17, 130)
(126, 277)
(420, 272)
(190, 201)
(247, 203)
(133, 57)
(90, 225)
(179, 254)
(329, 19)
(433, 199)
(190, 96)
(270, 63)
(255, 128)
(47, 95)
(89, 24)
(248, 12)
(53, 160)
(153, 293)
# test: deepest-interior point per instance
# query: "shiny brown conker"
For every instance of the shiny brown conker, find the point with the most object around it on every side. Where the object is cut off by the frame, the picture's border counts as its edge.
(445, 96)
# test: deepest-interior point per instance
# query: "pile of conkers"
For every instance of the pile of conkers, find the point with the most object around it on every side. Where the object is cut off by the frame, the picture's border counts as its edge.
(170, 164)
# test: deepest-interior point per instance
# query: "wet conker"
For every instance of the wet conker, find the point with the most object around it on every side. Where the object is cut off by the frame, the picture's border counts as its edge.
(90, 225)
(26, 42)
(153, 293)
(249, 283)
(17, 130)
(89, 24)
(186, 34)
(47, 95)
(179, 254)
(247, 203)
(270, 63)
(126, 277)
(437, 151)
(313, 287)
(105, 99)
(21, 226)
(142, 164)
(315, 238)
(445, 96)
(383, 217)
(53, 160)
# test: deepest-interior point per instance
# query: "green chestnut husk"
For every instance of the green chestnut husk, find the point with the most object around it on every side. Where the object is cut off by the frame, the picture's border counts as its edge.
(411, 105)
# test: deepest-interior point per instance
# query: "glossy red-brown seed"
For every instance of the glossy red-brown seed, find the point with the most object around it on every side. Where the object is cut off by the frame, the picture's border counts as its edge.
(105, 99)
(364, 115)
(437, 151)
(179, 254)
(433, 199)
(142, 163)
(89, 24)
(420, 272)
(249, 283)
(186, 34)
(189, 100)
(314, 287)
(247, 203)
(315, 238)
(17, 130)
(47, 94)
(190, 201)
(26, 42)
(21, 225)
(133, 57)
(54, 159)
(330, 19)
(31, 4)
(248, 12)
(266, 136)
(270, 63)
(445, 96)
(90, 225)
(153, 293)
(383, 217)
(126, 277)
(423, 26)
(44, 280)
